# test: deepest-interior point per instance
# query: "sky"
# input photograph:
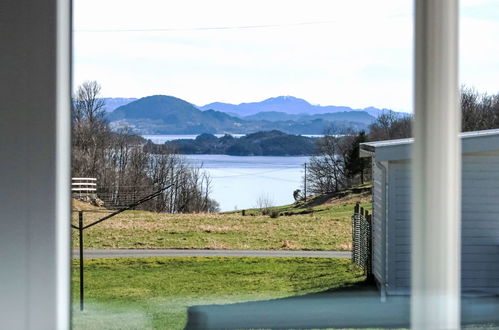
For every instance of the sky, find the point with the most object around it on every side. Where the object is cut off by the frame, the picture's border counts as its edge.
(356, 53)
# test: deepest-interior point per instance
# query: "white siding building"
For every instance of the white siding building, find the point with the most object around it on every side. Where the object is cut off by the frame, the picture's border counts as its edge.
(392, 210)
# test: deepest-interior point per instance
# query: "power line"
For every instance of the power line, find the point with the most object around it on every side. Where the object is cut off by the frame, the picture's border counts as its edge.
(305, 183)
(228, 27)
(209, 28)
(249, 174)
(221, 28)
(279, 179)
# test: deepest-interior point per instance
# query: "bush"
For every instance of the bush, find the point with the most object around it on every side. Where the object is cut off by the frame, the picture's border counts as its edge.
(274, 214)
(264, 203)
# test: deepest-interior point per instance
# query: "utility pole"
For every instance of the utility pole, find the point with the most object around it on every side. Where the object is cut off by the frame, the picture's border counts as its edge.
(81, 227)
(80, 230)
(305, 184)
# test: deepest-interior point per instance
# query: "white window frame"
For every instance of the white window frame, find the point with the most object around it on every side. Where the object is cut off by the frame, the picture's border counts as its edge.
(35, 60)
(436, 178)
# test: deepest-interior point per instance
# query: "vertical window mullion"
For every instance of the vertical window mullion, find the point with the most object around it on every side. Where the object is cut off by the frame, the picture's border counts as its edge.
(436, 194)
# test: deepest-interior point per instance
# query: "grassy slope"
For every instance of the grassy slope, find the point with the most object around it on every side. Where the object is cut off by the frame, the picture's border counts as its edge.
(153, 293)
(321, 224)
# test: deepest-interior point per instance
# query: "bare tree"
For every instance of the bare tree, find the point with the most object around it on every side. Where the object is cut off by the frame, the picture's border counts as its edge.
(90, 130)
(88, 104)
(479, 111)
(127, 168)
(264, 202)
(326, 170)
(390, 125)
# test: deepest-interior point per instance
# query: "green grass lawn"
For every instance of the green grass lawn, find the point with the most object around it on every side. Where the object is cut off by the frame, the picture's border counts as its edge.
(321, 224)
(154, 293)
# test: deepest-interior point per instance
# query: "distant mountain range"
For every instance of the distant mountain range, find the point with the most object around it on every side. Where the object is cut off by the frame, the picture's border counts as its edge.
(285, 104)
(274, 116)
(161, 114)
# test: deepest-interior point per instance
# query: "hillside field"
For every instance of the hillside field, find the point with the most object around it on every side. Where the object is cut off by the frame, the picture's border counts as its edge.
(321, 224)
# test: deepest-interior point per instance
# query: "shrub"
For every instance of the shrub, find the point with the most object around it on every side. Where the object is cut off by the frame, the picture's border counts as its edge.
(274, 214)
(264, 203)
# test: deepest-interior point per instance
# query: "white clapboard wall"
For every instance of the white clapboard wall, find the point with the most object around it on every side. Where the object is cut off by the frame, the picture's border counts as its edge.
(480, 225)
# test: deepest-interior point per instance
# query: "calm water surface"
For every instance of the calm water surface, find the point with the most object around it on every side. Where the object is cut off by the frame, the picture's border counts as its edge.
(238, 181)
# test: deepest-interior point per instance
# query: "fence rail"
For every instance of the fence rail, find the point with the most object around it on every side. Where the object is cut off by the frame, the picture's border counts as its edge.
(118, 197)
(362, 239)
(112, 197)
(81, 187)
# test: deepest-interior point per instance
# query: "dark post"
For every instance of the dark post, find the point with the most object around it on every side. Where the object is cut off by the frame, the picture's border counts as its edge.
(370, 248)
(305, 183)
(80, 230)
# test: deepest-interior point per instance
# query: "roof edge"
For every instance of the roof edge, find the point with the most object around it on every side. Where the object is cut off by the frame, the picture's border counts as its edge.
(366, 150)
(472, 142)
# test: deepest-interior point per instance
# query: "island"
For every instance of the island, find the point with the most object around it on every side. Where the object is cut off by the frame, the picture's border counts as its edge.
(267, 143)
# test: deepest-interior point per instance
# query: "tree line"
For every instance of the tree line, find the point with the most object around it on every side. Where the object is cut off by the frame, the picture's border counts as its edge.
(124, 170)
(336, 164)
(268, 143)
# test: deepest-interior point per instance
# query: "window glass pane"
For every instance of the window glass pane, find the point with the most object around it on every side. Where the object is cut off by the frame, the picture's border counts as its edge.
(234, 163)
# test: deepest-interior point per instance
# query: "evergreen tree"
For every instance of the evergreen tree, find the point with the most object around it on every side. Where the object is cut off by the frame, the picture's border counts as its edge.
(355, 165)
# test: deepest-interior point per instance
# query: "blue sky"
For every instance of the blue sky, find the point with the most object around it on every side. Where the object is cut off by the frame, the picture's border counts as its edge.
(331, 52)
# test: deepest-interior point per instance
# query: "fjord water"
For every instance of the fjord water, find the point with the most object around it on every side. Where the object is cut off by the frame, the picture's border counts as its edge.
(238, 181)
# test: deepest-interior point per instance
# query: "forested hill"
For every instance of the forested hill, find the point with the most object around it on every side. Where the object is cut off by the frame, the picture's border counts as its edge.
(273, 143)
(161, 114)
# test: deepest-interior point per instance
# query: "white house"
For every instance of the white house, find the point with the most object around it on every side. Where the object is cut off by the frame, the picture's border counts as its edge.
(392, 211)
